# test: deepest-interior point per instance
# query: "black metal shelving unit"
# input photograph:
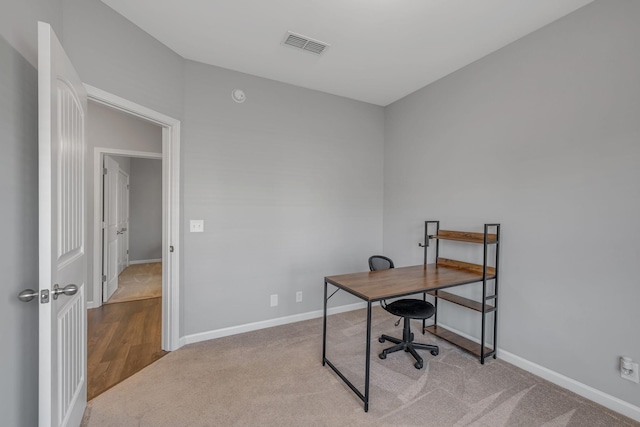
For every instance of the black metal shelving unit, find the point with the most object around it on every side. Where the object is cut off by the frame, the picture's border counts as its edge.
(488, 276)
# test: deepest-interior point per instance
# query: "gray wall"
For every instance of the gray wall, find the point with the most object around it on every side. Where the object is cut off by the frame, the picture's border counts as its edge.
(112, 54)
(145, 209)
(19, 211)
(289, 185)
(109, 128)
(543, 137)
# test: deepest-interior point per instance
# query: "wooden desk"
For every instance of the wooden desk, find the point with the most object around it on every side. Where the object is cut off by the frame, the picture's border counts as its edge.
(372, 286)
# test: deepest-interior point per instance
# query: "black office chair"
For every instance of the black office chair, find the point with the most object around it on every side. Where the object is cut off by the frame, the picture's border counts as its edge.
(407, 309)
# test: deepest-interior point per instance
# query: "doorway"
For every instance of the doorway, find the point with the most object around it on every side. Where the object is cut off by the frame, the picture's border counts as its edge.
(137, 331)
(124, 332)
(131, 228)
(170, 128)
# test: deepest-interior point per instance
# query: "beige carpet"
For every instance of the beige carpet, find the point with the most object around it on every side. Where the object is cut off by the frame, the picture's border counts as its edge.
(138, 281)
(274, 377)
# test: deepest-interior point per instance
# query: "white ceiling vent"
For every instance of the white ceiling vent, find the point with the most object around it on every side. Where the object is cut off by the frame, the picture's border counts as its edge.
(305, 43)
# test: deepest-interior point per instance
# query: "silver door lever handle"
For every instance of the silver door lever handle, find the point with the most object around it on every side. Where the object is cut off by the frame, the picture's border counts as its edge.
(27, 295)
(67, 290)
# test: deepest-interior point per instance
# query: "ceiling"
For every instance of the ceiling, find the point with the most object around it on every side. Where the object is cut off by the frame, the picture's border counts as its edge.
(380, 50)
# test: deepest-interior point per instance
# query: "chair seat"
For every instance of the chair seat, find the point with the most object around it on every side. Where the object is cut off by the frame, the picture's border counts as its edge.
(411, 308)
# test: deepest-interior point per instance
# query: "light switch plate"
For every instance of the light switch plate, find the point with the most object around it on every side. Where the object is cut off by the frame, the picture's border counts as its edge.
(196, 225)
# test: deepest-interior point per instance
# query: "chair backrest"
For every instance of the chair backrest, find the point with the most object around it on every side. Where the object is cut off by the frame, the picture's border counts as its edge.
(380, 262)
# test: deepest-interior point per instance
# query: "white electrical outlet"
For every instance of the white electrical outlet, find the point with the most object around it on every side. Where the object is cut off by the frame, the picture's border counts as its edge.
(629, 370)
(274, 300)
(299, 296)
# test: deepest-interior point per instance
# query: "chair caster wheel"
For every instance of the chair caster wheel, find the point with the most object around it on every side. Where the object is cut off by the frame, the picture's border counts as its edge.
(418, 365)
(382, 356)
(381, 339)
(435, 352)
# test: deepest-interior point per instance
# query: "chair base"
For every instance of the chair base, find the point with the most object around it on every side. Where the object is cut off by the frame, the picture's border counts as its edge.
(407, 344)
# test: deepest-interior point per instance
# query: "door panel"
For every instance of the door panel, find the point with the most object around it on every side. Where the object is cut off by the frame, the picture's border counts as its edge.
(111, 231)
(62, 106)
(123, 221)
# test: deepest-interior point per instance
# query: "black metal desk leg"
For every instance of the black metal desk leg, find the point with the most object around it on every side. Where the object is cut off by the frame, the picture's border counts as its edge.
(324, 327)
(368, 359)
(325, 361)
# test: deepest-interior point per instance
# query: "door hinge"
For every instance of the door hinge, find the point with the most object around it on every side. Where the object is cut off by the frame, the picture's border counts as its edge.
(127, 251)
(170, 248)
(104, 171)
(104, 278)
(44, 296)
(128, 187)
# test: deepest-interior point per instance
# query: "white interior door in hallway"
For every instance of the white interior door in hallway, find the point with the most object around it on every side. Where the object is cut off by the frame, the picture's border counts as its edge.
(62, 108)
(123, 220)
(115, 225)
(111, 232)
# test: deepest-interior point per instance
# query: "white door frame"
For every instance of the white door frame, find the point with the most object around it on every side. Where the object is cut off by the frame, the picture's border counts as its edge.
(170, 209)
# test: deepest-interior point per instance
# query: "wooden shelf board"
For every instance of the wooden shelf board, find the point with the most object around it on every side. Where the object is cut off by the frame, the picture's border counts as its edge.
(465, 302)
(476, 268)
(452, 337)
(464, 236)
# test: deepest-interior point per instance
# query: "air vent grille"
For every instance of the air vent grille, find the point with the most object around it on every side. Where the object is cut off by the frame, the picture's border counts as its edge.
(315, 47)
(296, 41)
(305, 43)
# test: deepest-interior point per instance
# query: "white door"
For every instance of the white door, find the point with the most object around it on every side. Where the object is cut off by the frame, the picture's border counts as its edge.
(123, 221)
(62, 106)
(111, 231)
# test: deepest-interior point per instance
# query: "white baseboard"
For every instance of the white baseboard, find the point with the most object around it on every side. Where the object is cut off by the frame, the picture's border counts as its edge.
(224, 332)
(604, 399)
(92, 304)
(588, 392)
(145, 261)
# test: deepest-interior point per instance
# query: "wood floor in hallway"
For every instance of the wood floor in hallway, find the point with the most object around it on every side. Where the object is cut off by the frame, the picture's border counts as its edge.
(122, 339)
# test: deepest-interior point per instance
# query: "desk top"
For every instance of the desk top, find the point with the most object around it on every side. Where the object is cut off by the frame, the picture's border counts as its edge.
(397, 282)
